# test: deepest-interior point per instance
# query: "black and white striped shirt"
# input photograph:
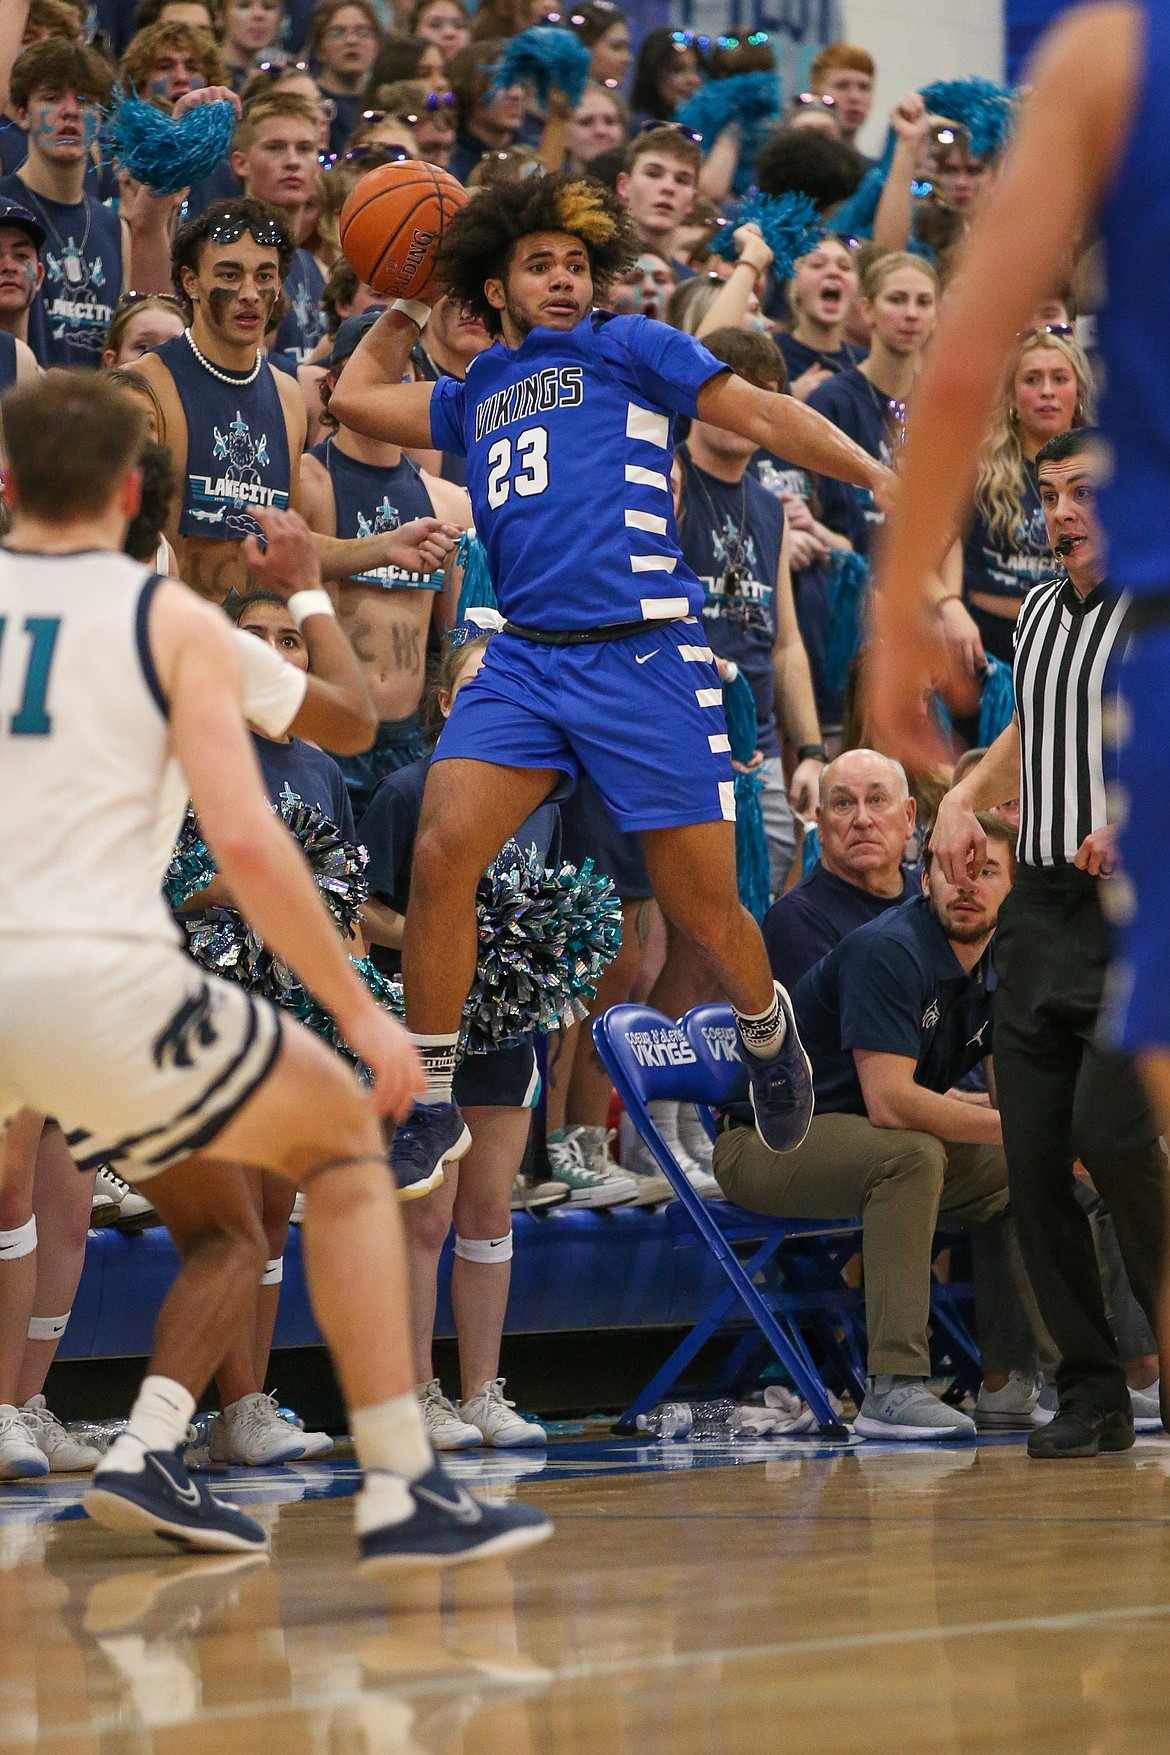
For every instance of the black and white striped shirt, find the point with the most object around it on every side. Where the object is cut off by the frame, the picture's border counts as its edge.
(1063, 644)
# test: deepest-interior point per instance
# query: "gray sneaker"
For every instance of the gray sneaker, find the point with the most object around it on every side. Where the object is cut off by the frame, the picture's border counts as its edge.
(904, 1408)
(1009, 1409)
(587, 1187)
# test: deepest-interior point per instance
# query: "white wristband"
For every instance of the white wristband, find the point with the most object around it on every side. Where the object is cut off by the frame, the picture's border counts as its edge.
(303, 604)
(416, 309)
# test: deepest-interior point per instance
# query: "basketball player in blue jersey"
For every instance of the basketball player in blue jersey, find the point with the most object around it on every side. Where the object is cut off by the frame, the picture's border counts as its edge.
(1090, 151)
(111, 679)
(566, 424)
(353, 486)
(234, 427)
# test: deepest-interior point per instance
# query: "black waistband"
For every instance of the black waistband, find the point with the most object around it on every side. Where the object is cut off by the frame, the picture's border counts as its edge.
(585, 636)
(1049, 878)
(1148, 614)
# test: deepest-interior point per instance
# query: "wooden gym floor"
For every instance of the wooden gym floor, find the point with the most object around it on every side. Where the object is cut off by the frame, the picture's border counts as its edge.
(776, 1596)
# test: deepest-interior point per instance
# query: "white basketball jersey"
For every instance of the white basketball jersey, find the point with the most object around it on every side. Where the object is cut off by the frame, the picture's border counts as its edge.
(84, 750)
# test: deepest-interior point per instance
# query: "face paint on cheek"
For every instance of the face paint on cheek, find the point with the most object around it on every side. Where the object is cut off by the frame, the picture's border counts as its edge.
(159, 87)
(197, 82)
(221, 299)
(41, 124)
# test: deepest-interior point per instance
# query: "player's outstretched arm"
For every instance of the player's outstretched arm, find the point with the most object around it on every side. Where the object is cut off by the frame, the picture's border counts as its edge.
(370, 396)
(263, 867)
(1072, 133)
(336, 710)
(786, 428)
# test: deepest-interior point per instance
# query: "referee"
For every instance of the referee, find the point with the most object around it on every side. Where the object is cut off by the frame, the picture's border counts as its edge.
(1062, 1097)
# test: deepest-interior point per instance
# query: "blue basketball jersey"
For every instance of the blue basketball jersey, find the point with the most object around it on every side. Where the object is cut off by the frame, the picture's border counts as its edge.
(569, 445)
(82, 254)
(370, 499)
(237, 447)
(1135, 409)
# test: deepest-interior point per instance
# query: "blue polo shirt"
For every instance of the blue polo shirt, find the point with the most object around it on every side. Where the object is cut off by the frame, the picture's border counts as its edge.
(894, 986)
(802, 926)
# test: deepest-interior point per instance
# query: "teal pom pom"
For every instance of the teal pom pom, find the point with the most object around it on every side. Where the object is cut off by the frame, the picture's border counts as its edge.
(476, 590)
(846, 583)
(548, 59)
(984, 109)
(998, 702)
(790, 226)
(192, 866)
(855, 216)
(753, 869)
(751, 100)
(810, 852)
(739, 710)
(166, 155)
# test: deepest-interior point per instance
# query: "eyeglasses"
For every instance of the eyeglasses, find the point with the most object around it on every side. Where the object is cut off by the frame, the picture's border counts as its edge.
(268, 233)
(652, 126)
(687, 39)
(811, 100)
(757, 37)
(1065, 331)
(128, 300)
(359, 155)
(280, 65)
(357, 33)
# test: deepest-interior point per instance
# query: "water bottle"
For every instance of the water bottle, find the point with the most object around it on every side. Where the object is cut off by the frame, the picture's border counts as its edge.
(719, 1419)
(671, 1420)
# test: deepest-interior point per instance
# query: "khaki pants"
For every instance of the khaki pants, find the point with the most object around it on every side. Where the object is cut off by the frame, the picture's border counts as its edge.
(898, 1183)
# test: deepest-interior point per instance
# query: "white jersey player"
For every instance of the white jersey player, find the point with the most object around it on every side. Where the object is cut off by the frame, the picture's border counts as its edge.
(108, 675)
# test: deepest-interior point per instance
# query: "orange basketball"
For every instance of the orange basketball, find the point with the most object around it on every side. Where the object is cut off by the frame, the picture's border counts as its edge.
(393, 222)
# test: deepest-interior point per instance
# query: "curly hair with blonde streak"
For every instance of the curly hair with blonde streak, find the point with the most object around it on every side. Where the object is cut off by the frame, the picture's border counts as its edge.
(999, 486)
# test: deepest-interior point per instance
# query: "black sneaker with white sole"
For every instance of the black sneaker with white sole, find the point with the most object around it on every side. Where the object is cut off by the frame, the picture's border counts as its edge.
(160, 1498)
(447, 1527)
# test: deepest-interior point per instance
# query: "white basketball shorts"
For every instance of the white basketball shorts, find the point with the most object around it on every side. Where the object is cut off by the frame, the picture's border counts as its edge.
(141, 1056)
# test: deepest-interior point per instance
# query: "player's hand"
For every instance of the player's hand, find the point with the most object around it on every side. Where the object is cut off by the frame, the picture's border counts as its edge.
(206, 94)
(907, 659)
(804, 794)
(909, 119)
(962, 636)
(382, 1043)
(422, 546)
(957, 840)
(751, 248)
(288, 561)
(1097, 853)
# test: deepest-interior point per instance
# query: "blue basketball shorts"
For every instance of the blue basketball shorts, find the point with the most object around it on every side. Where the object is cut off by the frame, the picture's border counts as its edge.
(1136, 1012)
(643, 717)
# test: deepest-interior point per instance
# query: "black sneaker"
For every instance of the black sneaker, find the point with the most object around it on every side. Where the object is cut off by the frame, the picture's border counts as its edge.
(432, 1135)
(1082, 1432)
(782, 1087)
(449, 1527)
(161, 1497)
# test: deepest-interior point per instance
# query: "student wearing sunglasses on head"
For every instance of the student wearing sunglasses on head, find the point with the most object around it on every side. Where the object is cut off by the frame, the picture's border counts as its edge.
(234, 427)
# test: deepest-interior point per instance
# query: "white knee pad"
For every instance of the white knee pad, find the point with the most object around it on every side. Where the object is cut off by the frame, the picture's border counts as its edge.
(487, 1249)
(273, 1272)
(48, 1328)
(22, 1241)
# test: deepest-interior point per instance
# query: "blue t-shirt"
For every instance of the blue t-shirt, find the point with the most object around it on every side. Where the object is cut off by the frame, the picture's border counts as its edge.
(311, 773)
(1009, 565)
(803, 925)
(860, 409)
(894, 986)
(569, 446)
(82, 254)
(734, 531)
(799, 357)
(304, 323)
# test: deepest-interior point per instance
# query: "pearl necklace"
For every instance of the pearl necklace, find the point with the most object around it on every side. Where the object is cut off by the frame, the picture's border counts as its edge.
(232, 378)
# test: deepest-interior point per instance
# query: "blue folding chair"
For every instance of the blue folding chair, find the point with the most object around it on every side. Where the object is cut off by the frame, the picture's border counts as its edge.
(649, 1057)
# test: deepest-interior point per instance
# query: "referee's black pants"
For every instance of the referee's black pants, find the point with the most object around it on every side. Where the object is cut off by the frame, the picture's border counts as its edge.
(1061, 1098)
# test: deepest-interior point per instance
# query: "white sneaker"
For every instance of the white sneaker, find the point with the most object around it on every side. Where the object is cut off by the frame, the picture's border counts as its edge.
(130, 1207)
(445, 1429)
(66, 1454)
(315, 1443)
(1009, 1409)
(21, 1458)
(704, 1184)
(496, 1418)
(1147, 1412)
(250, 1431)
(640, 1159)
(906, 1410)
(693, 1136)
(587, 1187)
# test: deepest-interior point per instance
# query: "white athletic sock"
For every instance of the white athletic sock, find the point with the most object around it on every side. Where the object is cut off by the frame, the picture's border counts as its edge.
(762, 1033)
(390, 1436)
(158, 1421)
(438, 1054)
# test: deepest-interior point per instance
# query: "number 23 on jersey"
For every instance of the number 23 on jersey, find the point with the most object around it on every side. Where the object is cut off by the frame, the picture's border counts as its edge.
(529, 452)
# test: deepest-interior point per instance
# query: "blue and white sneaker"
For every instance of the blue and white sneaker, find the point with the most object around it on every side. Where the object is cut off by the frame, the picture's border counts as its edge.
(782, 1087)
(161, 1497)
(444, 1526)
(432, 1135)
